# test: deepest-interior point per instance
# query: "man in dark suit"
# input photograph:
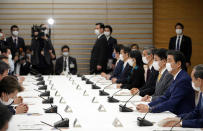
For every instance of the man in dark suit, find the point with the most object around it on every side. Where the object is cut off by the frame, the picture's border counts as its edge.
(164, 78)
(126, 68)
(179, 97)
(193, 119)
(112, 42)
(14, 42)
(181, 43)
(99, 53)
(151, 76)
(65, 63)
(3, 43)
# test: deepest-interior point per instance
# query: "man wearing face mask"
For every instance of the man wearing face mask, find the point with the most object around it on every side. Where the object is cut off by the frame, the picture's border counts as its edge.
(126, 67)
(15, 43)
(179, 98)
(112, 42)
(99, 53)
(181, 43)
(164, 78)
(9, 88)
(193, 119)
(151, 75)
(65, 64)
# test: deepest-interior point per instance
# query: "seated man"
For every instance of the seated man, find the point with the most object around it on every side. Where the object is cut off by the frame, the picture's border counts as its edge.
(5, 116)
(9, 88)
(179, 97)
(126, 68)
(193, 119)
(118, 64)
(65, 63)
(164, 78)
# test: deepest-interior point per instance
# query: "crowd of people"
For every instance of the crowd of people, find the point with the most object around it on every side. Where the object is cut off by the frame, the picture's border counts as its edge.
(158, 75)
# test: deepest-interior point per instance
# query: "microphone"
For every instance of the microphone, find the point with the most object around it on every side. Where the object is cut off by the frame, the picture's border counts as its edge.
(143, 121)
(41, 82)
(102, 92)
(94, 86)
(50, 100)
(79, 75)
(62, 123)
(123, 108)
(46, 93)
(52, 109)
(88, 80)
(44, 87)
(38, 75)
(113, 100)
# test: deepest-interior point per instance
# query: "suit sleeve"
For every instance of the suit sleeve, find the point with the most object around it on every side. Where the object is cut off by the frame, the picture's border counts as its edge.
(75, 68)
(175, 98)
(189, 50)
(170, 46)
(103, 52)
(57, 67)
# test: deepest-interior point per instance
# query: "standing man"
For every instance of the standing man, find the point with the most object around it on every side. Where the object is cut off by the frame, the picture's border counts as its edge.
(181, 43)
(112, 42)
(99, 54)
(15, 43)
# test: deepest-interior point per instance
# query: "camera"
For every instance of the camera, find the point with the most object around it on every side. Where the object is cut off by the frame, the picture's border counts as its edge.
(39, 31)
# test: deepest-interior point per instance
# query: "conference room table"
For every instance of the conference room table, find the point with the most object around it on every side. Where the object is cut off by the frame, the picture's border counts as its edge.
(83, 106)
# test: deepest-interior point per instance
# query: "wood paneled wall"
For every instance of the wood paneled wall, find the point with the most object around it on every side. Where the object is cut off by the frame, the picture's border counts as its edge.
(132, 21)
(189, 12)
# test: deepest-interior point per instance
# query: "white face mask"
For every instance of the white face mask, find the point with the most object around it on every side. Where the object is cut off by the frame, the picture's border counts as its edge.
(179, 31)
(121, 57)
(9, 102)
(96, 32)
(65, 54)
(168, 67)
(15, 33)
(130, 62)
(107, 34)
(10, 56)
(144, 59)
(195, 88)
(156, 65)
(46, 31)
(1, 34)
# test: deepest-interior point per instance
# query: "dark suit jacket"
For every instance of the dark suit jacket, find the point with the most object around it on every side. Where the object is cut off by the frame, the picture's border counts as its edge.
(35, 47)
(179, 97)
(25, 69)
(149, 87)
(136, 78)
(118, 69)
(124, 74)
(185, 47)
(162, 85)
(12, 45)
(99, 55)
(60, 64)
(112, 42)
(193, 119)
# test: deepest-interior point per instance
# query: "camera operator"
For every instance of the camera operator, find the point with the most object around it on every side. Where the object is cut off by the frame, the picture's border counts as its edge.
(42, 51)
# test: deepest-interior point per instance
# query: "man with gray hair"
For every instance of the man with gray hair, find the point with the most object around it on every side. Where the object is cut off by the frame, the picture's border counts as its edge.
(193, 119)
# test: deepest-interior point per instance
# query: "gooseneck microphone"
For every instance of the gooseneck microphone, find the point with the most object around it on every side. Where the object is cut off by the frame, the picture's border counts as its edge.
(113, 100)
(102, 92)
(49, 100)
(46, 93)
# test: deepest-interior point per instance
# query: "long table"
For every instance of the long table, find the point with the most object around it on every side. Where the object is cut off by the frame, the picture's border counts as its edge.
(87, 111)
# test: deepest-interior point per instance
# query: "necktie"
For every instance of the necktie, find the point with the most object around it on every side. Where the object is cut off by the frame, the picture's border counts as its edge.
(159, 77)
(15, 40)
(65, 64)
(148, 73)
(178, 44)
